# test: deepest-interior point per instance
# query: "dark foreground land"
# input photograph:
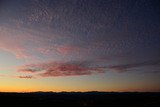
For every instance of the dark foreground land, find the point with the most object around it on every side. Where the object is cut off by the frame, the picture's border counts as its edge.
(77, 99)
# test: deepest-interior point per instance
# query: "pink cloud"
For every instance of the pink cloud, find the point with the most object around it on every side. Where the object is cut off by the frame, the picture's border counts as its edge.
(55, 69)
(28, 44)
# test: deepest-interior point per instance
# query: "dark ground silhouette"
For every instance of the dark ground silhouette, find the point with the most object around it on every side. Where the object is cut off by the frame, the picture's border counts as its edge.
(78, 99)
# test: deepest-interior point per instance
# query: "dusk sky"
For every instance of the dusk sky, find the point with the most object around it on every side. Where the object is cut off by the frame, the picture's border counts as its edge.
(79, 45)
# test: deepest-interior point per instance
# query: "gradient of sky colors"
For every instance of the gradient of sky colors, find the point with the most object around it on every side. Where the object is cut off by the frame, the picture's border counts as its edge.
(79, 45)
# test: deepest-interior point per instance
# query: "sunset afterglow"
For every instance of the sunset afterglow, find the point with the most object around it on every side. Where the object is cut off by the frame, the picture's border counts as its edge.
(79, 45)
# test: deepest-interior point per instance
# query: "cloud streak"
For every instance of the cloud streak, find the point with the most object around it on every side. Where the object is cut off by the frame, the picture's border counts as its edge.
(126, 67)
(25, 77)
(54, 69)
(18, 76)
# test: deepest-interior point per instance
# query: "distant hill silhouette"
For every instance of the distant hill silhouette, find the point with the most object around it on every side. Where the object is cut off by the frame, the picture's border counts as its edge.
(80, 99)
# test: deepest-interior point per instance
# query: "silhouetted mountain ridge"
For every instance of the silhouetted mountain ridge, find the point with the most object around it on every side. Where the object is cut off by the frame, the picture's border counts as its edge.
(80, 99)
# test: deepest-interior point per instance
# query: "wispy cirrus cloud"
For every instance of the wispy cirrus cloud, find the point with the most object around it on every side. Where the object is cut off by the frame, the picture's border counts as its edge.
(25, 43)
(29, 44)
(9, 42)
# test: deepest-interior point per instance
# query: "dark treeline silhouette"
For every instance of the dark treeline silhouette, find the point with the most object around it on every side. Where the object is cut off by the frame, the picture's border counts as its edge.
(80, 99)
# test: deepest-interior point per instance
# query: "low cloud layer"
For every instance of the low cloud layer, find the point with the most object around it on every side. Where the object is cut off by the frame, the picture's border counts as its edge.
(55, 69)
(60, 69)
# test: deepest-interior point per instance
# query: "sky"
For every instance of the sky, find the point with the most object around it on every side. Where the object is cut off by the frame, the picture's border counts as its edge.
(79, 45)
